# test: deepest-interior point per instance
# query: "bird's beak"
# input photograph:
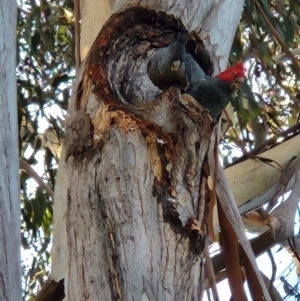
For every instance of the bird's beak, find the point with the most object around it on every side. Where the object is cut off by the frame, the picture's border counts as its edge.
(175, 66)
(237, 83)
(239, 80)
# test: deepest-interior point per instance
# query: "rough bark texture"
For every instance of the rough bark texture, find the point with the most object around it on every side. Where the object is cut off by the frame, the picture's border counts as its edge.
(10, 274)
(135, 172)
(145, 162)
(93, 14)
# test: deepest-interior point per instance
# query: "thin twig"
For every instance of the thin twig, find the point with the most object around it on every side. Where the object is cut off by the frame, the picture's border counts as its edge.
(287, 134)
(210, 270)
(213, 195)
(240, 145)
(77, 33)
(279, 39)
(283, 56)
(24, 165)
(274, 269)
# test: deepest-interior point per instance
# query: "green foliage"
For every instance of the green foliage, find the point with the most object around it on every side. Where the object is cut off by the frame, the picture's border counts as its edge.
(45, 72)
(271, 95)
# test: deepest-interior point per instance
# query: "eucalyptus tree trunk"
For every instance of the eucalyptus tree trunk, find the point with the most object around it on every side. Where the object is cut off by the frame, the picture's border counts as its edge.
(10, 271)
(132, 183)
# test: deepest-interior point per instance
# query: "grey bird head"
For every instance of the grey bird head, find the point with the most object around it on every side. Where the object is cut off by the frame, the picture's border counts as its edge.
(166, 67)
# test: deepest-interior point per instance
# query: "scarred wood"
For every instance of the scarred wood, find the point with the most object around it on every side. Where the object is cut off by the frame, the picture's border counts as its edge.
(136, 170)
(121, 52)
(134, 228)
(132, 172)
(214, 21)
(51, 291)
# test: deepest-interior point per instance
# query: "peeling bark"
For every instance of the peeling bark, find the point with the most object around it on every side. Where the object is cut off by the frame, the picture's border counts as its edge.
(135, 168)
(254, 183)
(280, 223)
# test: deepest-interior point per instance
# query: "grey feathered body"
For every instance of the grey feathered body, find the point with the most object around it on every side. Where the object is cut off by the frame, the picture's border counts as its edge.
(172, 66)
(192, 70)
(212, 93)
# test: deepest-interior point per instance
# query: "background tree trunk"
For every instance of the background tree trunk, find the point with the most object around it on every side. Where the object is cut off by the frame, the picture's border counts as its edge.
(10, 273)
(129, 195)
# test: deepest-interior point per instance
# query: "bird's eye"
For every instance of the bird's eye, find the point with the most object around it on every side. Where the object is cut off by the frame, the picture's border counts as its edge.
(233, 73)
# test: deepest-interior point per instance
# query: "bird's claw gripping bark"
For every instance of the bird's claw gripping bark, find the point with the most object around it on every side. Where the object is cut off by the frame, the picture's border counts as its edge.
(175, 91)
(207, 111)
(214, 120)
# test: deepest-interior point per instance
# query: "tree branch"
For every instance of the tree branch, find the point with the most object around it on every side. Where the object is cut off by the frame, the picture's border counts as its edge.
(279, 39)
(24, 165)
(77, 33)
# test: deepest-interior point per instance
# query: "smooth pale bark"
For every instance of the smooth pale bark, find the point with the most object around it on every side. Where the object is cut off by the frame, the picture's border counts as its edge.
(226, 200)
(10, 271)
(114, 238)
(280, 226)
(93, 15)
(254, 183)
(277, 227)
(260, 176)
